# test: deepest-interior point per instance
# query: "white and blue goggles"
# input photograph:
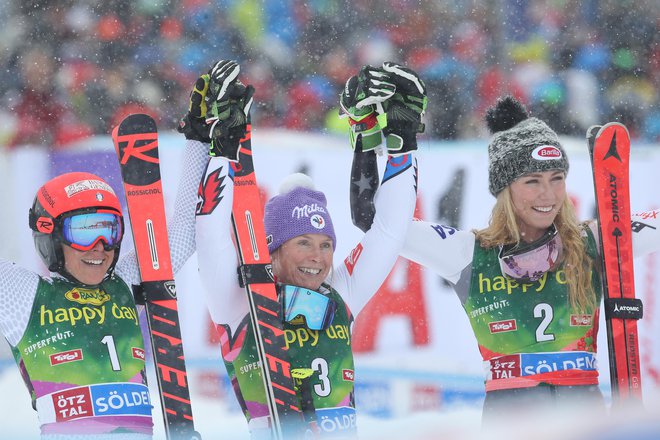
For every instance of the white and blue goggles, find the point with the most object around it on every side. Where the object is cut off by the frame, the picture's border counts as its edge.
(317, 309)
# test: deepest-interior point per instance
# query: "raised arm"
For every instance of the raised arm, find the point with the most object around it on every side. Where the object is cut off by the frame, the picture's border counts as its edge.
(646, 232)
(220, 106)
(443, 249)
(384, 106)
(216, 255)
(18, 287)
(369, 263)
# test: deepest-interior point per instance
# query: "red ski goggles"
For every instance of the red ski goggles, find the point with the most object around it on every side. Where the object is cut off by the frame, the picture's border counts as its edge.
(83, 231)
(527, 262)
(317, 309)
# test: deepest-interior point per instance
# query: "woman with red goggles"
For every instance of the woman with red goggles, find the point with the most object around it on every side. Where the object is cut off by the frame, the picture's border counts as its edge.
(529, 282)
(75, 334)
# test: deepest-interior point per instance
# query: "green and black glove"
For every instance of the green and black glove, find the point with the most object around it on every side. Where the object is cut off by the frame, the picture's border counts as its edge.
(228, 101)
(361, 101)
(193, 125)
(219, 110)
(404, 109)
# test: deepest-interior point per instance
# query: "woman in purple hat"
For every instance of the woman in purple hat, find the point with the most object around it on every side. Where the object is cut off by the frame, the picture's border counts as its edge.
(319, 300)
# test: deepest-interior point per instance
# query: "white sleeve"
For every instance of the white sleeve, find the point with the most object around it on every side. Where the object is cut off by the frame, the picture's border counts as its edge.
(442, 249)
(216, 254)
(18, 288)
(646, 232)
(369, 263)
(181, 224)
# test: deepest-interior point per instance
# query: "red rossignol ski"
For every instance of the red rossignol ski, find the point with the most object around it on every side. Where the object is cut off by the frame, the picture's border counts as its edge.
(609, 147)
(255, 274)
(136, 143)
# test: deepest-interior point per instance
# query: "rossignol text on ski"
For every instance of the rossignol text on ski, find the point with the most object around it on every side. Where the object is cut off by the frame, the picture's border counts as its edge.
(136, 144)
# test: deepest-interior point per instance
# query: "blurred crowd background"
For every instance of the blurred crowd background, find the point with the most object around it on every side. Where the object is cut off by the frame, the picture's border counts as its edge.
(73, 68)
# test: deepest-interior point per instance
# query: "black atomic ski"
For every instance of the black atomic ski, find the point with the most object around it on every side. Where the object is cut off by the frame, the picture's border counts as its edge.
(609, 147)
(136, 143)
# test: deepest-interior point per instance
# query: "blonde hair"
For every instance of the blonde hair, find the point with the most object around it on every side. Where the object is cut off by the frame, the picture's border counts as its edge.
(503, 229)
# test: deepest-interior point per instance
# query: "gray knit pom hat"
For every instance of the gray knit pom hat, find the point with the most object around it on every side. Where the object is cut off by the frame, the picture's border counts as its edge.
(520, 145)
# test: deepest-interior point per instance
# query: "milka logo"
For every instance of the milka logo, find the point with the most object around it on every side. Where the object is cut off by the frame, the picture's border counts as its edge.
(546, 152)
(94, 297)
(305, 210)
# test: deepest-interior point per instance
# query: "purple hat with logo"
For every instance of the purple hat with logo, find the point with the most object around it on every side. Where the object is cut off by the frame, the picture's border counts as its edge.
(297, 210)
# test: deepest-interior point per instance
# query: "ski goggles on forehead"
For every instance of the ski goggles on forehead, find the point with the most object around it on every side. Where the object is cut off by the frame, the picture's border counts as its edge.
(527, 262)
(83, 231)
(317, 309)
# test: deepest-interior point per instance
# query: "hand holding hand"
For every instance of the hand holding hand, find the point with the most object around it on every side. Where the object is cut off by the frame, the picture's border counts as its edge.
(361, 100)
(229, 102)
(193, 125)
(219, 109)
(404, 109)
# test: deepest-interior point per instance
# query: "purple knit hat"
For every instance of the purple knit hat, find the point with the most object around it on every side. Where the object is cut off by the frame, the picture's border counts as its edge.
(297, 211)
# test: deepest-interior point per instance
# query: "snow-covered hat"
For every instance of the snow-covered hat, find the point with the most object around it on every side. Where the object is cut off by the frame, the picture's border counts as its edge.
(520, 145)
(298, 209)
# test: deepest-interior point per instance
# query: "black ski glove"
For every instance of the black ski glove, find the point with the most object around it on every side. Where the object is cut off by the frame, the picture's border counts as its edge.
(228, 102)
(193, 125)
(361, 101)
(404, 109)
(218, 110)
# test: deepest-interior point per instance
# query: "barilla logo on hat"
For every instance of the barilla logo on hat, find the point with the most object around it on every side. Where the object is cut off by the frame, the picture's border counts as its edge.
(317, 221)
(546, 152)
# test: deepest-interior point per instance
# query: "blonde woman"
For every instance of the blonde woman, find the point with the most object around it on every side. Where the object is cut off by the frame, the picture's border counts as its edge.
(529, 282)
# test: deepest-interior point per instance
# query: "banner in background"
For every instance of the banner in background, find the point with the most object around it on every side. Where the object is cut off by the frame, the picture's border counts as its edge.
(421, 328)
